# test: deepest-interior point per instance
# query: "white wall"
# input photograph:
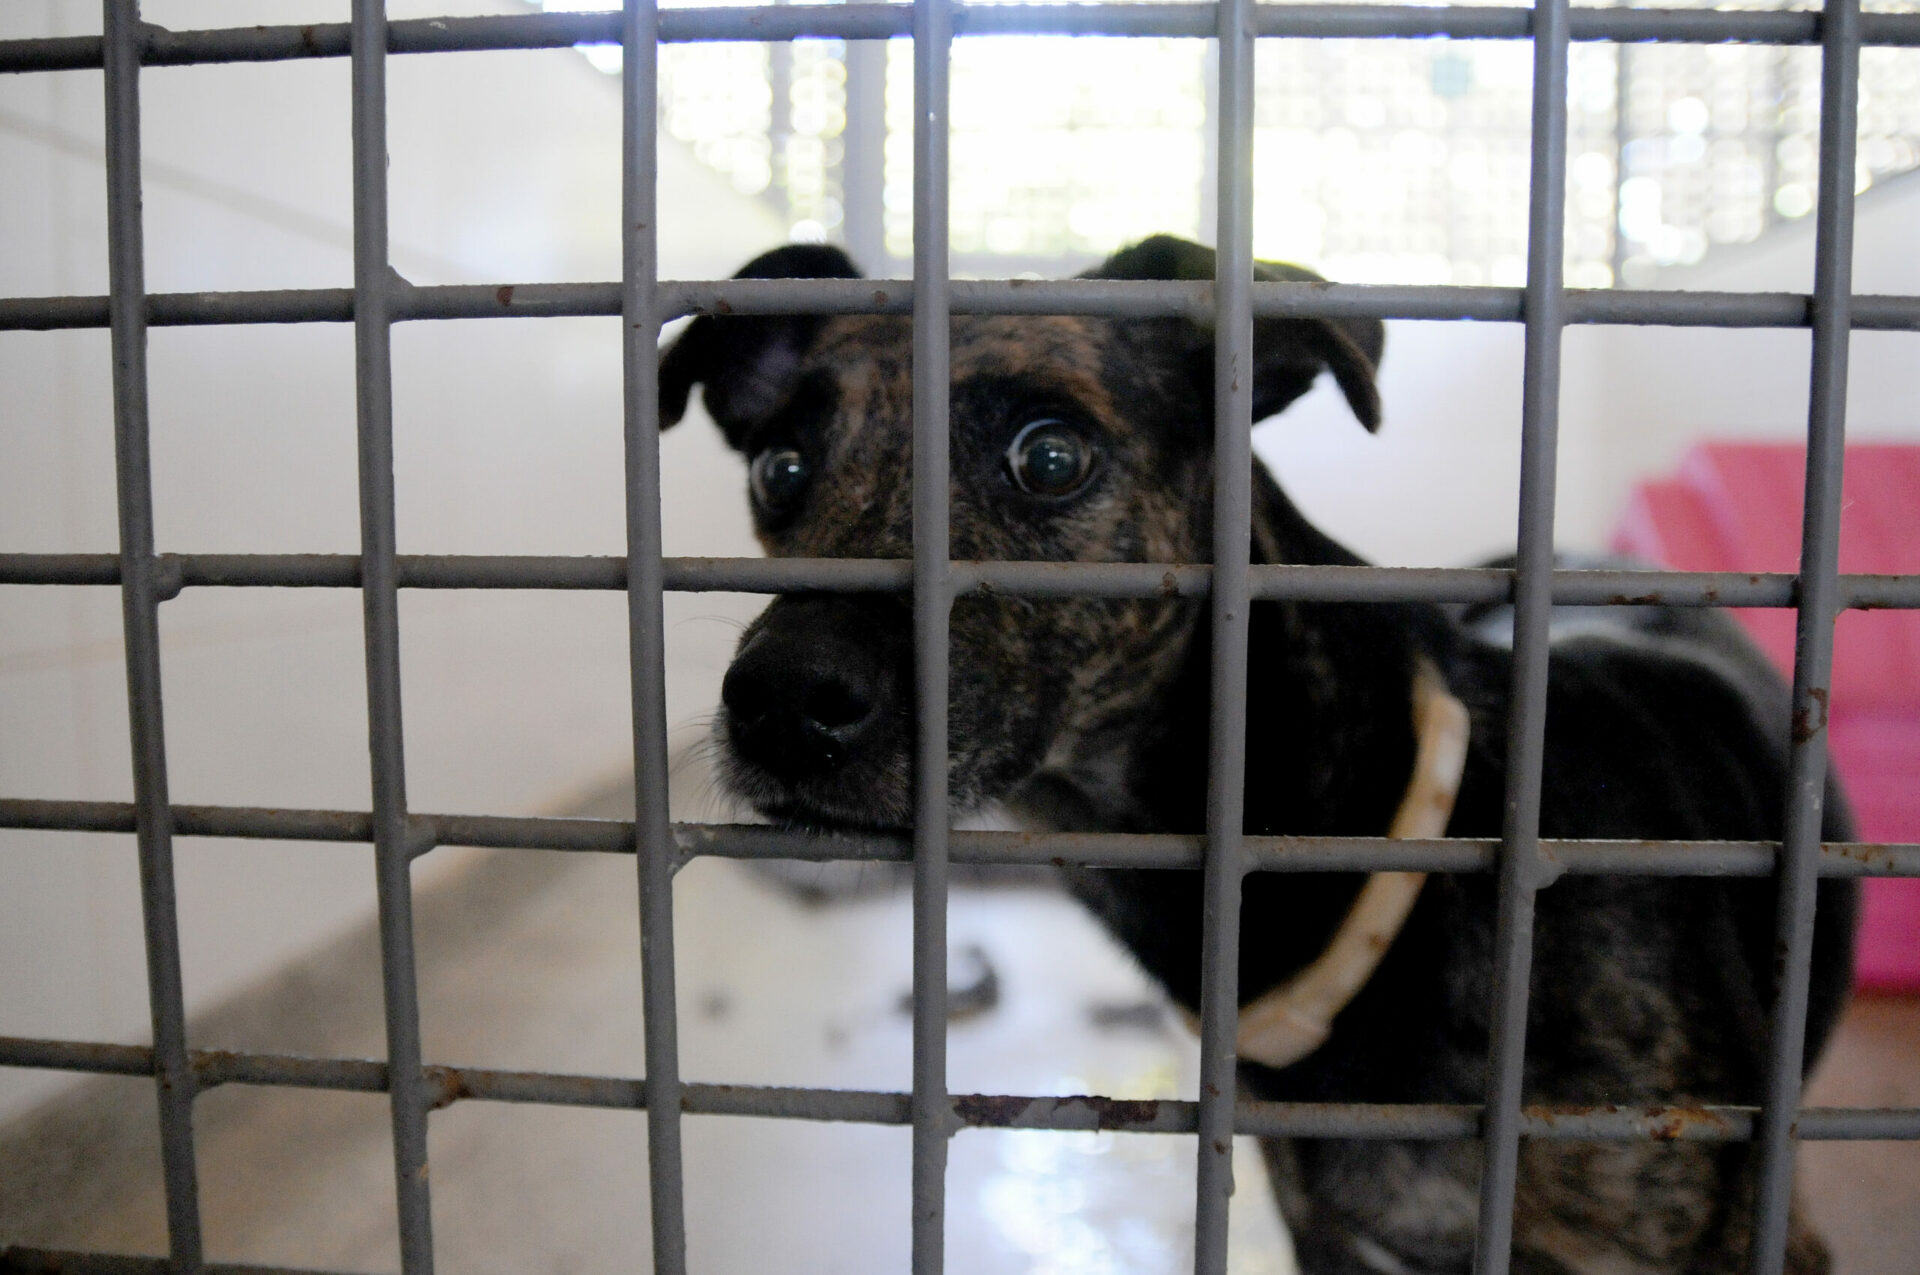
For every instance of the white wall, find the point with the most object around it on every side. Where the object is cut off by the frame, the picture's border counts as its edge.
(504, 167)
(1637, 398)
(1438, 485)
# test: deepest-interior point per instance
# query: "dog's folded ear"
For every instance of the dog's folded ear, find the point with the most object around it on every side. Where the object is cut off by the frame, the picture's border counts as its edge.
(748, 364)
(1287, 353)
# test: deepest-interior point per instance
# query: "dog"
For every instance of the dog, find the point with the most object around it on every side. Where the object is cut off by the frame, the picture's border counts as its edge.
(1090, 439)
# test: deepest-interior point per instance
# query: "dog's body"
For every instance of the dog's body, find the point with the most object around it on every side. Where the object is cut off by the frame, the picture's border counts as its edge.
(1091, 439)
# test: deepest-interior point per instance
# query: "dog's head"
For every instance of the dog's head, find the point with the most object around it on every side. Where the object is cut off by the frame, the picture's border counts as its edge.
(1071, 439)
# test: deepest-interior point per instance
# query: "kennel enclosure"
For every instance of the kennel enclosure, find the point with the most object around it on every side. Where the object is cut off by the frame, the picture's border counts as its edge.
(642, 302)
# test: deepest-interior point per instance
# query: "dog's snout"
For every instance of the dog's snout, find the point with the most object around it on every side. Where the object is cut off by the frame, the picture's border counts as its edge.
(834, 705)
(800, 698)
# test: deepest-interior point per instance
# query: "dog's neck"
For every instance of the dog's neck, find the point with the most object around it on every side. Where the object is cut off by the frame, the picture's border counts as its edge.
(1330, 747)
(1329, 743)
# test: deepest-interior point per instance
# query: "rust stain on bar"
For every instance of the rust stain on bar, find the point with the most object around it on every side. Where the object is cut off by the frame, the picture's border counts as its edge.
(991, 1110)
(1810, 722)
(1673, 1123)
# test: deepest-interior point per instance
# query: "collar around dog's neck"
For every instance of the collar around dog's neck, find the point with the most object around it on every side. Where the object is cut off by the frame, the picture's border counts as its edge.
(1289, 1022)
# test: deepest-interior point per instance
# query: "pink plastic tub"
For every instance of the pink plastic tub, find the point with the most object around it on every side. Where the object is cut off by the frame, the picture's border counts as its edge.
(1737, 507)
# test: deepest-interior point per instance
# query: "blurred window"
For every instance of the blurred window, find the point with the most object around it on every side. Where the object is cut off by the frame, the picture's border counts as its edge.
(1377, 161)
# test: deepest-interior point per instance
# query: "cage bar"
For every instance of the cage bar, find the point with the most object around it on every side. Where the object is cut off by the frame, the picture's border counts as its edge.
(1109, 298)
(37, 1261)
(393, 848)
(1561, 857)
(932, 610)
(1424, 1122)
(160, 47)
(1267, 582)
(1813, 638)
(140, 596)
(645, 585)
(1227, 711)
(1520, 875)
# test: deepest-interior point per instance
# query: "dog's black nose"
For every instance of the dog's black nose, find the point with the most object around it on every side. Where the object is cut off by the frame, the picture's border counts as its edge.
(802, 694)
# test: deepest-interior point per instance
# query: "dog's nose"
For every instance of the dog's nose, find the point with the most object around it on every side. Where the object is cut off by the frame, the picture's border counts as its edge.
(798, 705)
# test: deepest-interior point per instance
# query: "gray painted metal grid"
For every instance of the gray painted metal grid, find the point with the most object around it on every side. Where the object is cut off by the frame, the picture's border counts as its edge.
(1544, 311)
(932, 610)
(1524, 862)
(1224, 863)
(392, 847)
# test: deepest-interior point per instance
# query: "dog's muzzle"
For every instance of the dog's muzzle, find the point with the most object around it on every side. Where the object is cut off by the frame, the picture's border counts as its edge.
(811, 690)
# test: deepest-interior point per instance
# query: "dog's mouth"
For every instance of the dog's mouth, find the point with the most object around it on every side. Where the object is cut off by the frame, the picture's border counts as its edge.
(840, 802)
(860, 793)
(801, 818)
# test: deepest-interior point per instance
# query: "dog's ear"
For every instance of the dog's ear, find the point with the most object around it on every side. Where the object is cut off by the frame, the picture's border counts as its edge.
(1287, 353)
(748, 365)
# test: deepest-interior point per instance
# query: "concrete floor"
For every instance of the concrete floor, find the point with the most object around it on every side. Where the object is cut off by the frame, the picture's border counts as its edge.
(529, 961)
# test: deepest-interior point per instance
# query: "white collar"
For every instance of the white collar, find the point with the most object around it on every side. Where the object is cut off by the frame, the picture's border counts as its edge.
(1284, 1025)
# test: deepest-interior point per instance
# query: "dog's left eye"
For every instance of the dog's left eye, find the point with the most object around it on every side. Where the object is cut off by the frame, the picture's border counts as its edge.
(1048, 457)
(779, 477)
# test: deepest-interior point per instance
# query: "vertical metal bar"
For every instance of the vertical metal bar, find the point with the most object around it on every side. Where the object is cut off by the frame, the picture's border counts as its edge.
(140, 611)
(373, 384)
(1520, 874)
(640, 314)
(1813, 640)
(932, 603)
(1227, 729)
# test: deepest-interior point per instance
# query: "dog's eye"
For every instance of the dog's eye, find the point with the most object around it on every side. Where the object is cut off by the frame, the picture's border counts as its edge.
(779, 478)
(1048, 457)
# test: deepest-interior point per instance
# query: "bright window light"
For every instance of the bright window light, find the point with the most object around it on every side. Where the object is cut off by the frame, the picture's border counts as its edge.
(1375, 161)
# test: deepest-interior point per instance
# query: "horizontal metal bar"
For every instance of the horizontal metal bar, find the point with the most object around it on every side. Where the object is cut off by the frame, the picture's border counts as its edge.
(451, 571)
(1149, 298)
(184, 309)
(1006, 849)
(349, 1075)
(1418, 1121)
(1857, 1124)
(175, 572)
(1099, 297)
(76, 1055)
(884, 21)
(246, 822)
(15, 1260)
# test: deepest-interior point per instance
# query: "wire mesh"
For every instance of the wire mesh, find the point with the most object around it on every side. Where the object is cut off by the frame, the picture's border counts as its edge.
(1521, 860)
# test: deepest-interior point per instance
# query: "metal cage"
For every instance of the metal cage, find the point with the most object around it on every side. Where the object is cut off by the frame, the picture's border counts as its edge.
(1522, 861)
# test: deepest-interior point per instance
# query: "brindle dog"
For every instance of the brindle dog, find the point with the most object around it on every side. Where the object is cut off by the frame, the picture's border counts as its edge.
(1090, 439)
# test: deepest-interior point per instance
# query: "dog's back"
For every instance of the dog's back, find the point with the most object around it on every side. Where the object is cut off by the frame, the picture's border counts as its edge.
(1693, 676)
(1663, 724)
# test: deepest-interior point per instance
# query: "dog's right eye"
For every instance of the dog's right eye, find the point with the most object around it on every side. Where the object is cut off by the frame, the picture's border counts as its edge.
(778, 477)
(1048, 457)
